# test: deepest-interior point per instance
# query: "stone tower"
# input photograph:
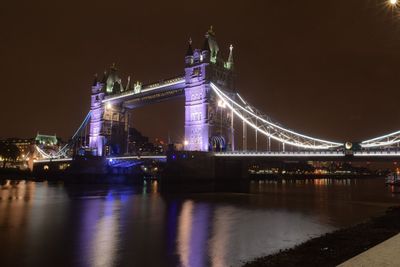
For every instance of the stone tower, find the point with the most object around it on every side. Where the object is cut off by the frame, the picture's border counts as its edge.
(208, 122)
(109, 121)
(96, 137)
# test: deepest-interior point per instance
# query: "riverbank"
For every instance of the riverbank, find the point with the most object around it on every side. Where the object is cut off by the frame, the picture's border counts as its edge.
(15, 174)
(334, 248)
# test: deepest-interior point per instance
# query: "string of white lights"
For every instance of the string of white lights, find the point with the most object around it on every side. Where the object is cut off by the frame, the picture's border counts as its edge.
(384, 140)
(42, 153)
(273, 130)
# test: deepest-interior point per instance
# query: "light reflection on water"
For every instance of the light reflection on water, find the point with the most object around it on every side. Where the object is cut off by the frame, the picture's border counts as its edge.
(45, 224)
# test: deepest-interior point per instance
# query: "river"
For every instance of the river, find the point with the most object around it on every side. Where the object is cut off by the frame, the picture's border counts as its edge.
(52, 224)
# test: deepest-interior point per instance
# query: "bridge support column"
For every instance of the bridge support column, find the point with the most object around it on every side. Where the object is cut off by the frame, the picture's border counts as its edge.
(244, 136)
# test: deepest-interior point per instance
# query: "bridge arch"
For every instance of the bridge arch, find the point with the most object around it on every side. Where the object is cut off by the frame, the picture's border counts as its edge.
(217, 144)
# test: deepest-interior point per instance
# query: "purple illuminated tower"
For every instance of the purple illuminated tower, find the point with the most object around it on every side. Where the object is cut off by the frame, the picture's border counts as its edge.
(208, 122)
(96, 137)
(109, 121)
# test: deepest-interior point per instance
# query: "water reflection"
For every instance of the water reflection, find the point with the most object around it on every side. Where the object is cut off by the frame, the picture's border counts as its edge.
(220, 238)
(45, 224)
(184, 232)
(233, 234)
(193, 232)
(104, 244)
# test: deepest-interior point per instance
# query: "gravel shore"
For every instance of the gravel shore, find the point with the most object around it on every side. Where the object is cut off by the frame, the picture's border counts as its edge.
(334, 248)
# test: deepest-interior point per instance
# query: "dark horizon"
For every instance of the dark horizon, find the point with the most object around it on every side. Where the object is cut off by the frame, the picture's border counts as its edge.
(326, 69)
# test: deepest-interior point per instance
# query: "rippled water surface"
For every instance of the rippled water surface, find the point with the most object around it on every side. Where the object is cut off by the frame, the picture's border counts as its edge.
(44, 224)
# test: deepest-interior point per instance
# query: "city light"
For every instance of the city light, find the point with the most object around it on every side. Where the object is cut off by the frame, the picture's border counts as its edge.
(221, 103)
(393, 2)
(108, 106)
(186, 142)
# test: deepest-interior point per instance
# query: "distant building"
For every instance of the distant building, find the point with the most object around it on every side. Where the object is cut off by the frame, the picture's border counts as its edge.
(48, 145)
(138, 143)
(26, 151)
(46, 140)
(25, 146)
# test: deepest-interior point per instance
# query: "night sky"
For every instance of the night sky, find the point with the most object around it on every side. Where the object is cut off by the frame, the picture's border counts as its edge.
(329, 69)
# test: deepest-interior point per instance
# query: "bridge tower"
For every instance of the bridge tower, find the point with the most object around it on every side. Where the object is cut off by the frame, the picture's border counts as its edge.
(109, 122)
(208, 123)
(96, 137)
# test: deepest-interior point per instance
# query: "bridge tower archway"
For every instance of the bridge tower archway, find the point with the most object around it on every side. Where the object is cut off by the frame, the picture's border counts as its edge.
(217, 144)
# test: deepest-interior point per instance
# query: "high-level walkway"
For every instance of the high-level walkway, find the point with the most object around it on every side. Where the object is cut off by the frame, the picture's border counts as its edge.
(383, 254)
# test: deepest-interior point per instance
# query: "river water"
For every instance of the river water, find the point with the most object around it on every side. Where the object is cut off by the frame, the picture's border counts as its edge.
(51, 224)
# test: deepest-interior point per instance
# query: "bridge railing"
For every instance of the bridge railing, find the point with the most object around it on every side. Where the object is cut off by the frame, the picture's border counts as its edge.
(377, 153)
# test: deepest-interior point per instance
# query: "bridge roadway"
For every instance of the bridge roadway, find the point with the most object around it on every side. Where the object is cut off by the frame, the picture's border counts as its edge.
(315, 155)
(302, 155)
(154, 157)
(196, 166)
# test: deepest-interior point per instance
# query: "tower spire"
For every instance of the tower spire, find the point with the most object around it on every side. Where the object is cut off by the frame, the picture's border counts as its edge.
(104, 79)
(206, 45)
(210, 44)
(95, 81)
(189, 51)
(211, 30)
(229, 63)
(113, 67)
(128, 84)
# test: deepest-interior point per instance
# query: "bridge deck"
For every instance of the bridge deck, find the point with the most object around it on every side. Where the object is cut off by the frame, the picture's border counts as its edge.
(327, 155)
(154, 157)
(155, 92)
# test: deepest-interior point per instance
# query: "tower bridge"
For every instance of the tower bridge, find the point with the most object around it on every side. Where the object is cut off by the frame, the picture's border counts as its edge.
(212, 105)
(111, 102)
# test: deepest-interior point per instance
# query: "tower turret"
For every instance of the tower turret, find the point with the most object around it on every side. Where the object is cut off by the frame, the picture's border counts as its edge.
(212, 45)
(112, 78)
(189, 53)
(128, 84)
(104, 78)
(229, 63)
(205, 51)
(95, 80)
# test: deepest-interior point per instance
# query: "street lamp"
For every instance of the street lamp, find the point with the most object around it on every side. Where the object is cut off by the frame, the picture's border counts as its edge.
(221, 103)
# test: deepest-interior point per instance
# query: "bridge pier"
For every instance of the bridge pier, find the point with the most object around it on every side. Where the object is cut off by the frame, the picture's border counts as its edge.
(195, 166)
